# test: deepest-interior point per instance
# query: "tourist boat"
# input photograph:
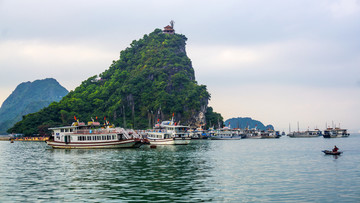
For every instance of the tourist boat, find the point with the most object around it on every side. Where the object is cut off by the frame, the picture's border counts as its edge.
(328, 152)
(307, 133)
(169, 133)
(90, 136)
(270, 134)
(335, 132)
(198, 133)
(252, 134)
(225, 133)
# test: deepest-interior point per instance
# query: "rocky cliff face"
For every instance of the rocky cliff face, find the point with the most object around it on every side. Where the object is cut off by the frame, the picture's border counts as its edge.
(29, 97)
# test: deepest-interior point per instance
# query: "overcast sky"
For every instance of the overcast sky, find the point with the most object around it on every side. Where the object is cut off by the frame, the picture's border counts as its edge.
(277, 61)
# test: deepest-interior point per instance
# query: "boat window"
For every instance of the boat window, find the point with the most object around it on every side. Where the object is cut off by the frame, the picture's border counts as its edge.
(88, 137)
(71, 130)
(66, 130)
(113, 137)
(62, 130)
(98, 137)
(108, 137)
(94, 137)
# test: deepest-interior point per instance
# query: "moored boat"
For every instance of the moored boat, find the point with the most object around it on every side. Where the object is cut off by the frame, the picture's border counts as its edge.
(252, 133)
(168, 133)
(198, 133)
(305, 134)
(91, 136)
(225, 134)
(270, 134)
(335, 133)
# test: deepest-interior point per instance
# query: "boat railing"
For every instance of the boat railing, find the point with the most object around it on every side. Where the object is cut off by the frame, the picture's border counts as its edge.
(95, 131)
(157, 131)
(132, 133)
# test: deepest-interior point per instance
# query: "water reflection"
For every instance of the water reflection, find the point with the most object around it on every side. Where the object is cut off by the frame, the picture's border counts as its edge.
(280, 170)
(171, 173)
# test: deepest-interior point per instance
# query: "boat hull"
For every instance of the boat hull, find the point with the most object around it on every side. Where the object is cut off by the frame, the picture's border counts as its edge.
(303, 136)
(95, 145)
(170, 141)
(225, 138)
(182, 140)
(252, 137)
(328, 152)
(335, 136)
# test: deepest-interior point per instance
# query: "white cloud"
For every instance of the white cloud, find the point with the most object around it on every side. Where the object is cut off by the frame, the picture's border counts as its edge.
(68, 63)
(294, 58)
(344, 8)
(252, 50)
(280, 105)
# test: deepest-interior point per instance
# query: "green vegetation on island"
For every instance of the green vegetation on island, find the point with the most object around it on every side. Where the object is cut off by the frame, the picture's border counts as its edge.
(246, 122)
(153, 79)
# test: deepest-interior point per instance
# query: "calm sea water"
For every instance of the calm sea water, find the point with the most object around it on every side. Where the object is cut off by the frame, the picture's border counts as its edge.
(265, 170)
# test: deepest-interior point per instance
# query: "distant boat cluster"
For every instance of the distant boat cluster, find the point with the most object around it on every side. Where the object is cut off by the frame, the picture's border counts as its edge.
(328, 133)
(93, 135)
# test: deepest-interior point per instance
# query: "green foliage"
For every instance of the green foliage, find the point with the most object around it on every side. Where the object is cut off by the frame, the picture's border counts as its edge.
(213, 119)
(153, 75)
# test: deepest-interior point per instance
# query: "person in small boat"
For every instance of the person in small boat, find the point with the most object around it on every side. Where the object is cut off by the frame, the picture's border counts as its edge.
(335, 149)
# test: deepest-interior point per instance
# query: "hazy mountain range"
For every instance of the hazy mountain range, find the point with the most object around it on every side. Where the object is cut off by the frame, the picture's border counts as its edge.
(246, 122)
(29, 97)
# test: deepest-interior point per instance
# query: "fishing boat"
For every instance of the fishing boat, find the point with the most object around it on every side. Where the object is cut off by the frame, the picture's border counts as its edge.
(225, 133)
(169, 133)
(329, 152)
(92, 136)
(305, 134)
(335, 133)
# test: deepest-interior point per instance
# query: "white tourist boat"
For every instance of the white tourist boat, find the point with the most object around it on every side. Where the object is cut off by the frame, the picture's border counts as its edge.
(252, 133)
(225, 133)
(335, 133)
(198, 133)
(169, 134)
(90, 136)
(307, 133)
(270, 134)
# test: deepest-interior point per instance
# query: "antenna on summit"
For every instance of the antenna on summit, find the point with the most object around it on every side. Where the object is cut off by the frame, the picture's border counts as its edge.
(172, 23)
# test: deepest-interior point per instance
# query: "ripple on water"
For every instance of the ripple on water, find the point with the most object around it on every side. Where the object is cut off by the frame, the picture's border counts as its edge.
(281, 170)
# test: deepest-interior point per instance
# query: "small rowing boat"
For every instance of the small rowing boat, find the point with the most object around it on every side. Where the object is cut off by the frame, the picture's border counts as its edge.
(328, 152)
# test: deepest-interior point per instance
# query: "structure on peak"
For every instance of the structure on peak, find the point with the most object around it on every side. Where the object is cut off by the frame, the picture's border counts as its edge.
(170, 28)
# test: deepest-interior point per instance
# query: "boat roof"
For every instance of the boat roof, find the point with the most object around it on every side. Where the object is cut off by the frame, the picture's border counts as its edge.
(63, 127)
(177, 126)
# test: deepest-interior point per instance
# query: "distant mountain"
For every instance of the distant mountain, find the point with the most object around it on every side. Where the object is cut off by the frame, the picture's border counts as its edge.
(29, 97)
(246, 122)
